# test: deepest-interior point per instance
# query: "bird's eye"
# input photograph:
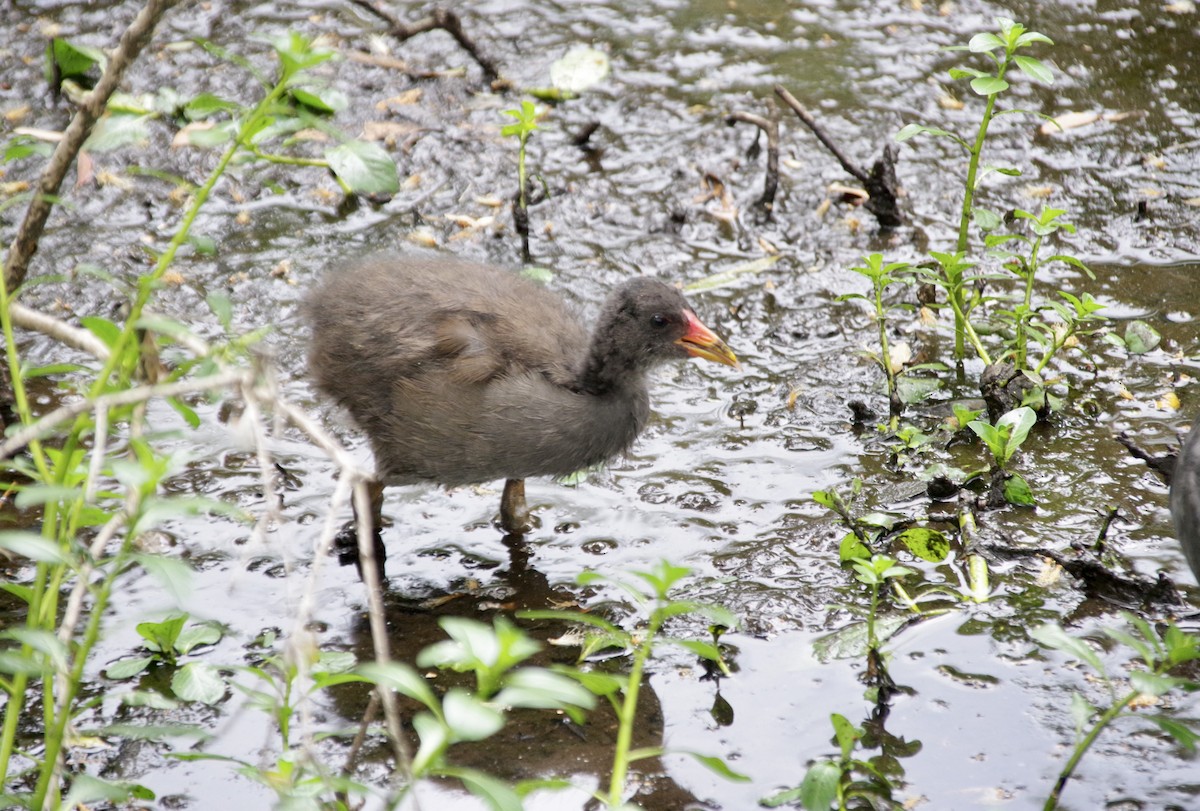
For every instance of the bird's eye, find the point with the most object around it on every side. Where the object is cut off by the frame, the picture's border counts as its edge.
(659, 320)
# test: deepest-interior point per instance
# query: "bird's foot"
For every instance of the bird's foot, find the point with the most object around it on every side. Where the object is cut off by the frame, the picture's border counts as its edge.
(345, 546)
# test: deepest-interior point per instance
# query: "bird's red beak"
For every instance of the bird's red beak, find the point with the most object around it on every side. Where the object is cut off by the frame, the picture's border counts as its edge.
(702, 342)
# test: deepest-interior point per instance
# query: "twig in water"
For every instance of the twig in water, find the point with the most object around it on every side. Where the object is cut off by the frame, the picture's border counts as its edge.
(770, 125)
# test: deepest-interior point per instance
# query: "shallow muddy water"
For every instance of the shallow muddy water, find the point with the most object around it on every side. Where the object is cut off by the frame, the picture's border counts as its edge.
(722, 481)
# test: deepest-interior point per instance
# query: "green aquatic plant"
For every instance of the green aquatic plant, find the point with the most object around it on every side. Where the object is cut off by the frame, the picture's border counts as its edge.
(1160, 653)
(1003, 440)
(836, 782)
(492, 654)
(651, 590)
(97, 494)
(1001, 48)
(522, 128)
(882, 277)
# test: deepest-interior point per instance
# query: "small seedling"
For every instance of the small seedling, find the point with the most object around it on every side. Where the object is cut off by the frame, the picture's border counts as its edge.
(882, 277)
(1003, 440)
(524, 126)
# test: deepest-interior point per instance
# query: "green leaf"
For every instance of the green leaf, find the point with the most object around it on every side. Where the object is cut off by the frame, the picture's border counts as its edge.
(221, 307)
(324, 100)
(705, 650)
(203, 245)
(715, 765)
(15, 663)
(23, 146)
(206, 104)
(966, 73)
(116, 131)
(1154, 684)
(594, 681)
(1053, 636)
(1141, 338)
(160, 636)
(912, 130)
(1081, 713)
(195, 636)
(851, 548)
(989, 85)
(927, 544)
(365, 167)
(982, 43)
(1017, 491)
(846, 733)
(186, 411)
(1017, 422)
(1030, 37)
(912, 389)
(102, 328)
(296, 53)
(403, 679)
(435, 738)
(526, 121)
(571, 616)
(1182, 734)
(128, 668)
(86, 790)
(850, 641)
(30, 372)
(498, 795)
(1034, 69)
(198, 681)
(42, 642)
(73, 59)
(538, 688)
(335, 662)
(32, 546)
(151, 699)
(155, 732)
(990, 436)
(819, 788)
(986, 220)
(580, 69)
(468, 718)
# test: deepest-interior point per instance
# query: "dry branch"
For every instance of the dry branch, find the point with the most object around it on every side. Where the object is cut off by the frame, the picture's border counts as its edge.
(770, 125)
(25, 244)
(439, 18)
(880, 182)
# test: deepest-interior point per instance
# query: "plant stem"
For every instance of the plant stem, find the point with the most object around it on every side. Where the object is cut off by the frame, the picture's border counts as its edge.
(1022, 336)
(626, 717)
(1082, 747)
(960, 323)
(885, 357)
(522, 177)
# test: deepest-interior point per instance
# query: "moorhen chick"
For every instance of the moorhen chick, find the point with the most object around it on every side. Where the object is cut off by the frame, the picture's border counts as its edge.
(462, 373)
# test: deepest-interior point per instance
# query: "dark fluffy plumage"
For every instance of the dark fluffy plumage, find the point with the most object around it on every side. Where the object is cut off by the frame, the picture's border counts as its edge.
(460, 373)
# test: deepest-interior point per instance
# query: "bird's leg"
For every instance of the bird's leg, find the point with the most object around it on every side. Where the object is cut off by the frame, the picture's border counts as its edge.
(348, 551)
(514, 512)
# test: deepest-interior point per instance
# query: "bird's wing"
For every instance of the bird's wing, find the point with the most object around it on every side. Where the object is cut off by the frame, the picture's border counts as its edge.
(476, 347)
